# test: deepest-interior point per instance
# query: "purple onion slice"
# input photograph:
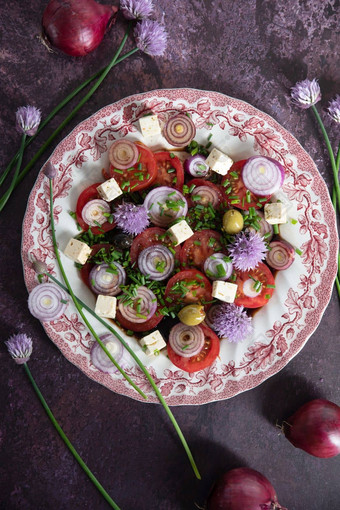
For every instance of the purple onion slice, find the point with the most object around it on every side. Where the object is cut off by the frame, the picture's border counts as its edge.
(165, 205)
(179, 130)
(210, 316)
(280, 255)
(106, 279)
(186, 340)
(266, 230)
(142, 306)
(157, 262)
(123, 154)
(218, 267)
(196, 166)
(251, 288)
(47, 302)
(207, 195)
(93, 212)
(100, 359)
(263, 176)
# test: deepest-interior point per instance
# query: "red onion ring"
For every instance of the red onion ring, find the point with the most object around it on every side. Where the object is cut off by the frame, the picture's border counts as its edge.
(102, 281)
(281, 255)
(179, 130)
(211, 270)
(123, 154)
(157, 262)
(196, 166)
(47, 302)
(100, 359)
(186, 341)
(265, 227)
(143, 307)
(93, 212)
(207, 195)
(210, 315)
(263, 176)
(164, 205)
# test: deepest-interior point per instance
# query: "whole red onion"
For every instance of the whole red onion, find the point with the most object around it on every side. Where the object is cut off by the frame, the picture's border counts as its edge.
(243, 489)
(76, 27)
(315, 428)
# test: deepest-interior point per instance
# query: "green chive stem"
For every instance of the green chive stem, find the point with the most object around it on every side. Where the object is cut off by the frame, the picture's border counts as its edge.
(145, 371)
(77, 305)
(331, 154)
(8, 193)
(68, 442)
(103, 73)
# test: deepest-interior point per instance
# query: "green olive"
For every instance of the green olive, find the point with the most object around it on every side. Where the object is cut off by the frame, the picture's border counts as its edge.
(232, 222)
(191, 315)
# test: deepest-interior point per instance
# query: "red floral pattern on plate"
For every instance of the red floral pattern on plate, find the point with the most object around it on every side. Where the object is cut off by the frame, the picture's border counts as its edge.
(302, 294)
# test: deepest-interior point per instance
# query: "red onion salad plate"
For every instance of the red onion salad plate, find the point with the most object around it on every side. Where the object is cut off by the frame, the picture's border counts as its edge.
(283, 326)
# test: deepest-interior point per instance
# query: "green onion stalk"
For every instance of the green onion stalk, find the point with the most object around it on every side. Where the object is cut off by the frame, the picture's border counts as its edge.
(335, 162)
(46, 121)
(102, 76)
(68, 442)
(79, 305)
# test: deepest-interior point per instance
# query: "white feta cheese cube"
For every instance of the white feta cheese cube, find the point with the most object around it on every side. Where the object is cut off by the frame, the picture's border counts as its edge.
(149, 125)
(275, 213)
(224, 291)
(153, 343)
(109, 190)
(77, 251)
(219, 162)
(106, 306)
(179, 232)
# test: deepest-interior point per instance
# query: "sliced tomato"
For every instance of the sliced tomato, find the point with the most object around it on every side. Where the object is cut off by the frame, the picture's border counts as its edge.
(188, 286)
(204, 359)
(85, 196)
(262, 274)
(86, 268)
(199, 247)
(151, 236)
(170, 170)
(218, 191)
(141, 175)
(139, 326)
(237, 197)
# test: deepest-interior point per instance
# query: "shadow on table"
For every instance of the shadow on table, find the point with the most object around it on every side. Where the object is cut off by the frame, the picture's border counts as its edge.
(283, 395)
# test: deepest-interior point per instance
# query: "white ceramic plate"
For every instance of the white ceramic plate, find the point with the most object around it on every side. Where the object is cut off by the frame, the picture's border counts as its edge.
(302, 292)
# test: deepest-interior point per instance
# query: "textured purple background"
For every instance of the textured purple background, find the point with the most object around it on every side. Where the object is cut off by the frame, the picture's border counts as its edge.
(254, 51)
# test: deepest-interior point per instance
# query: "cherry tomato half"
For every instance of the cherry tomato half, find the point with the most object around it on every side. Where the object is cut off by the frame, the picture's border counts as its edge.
(199, 247)
(169, 170)
(85, 196)
(141, 175)
(188, 286)
(150, 236)
(237, 196)
(262, 274)
(204, 359)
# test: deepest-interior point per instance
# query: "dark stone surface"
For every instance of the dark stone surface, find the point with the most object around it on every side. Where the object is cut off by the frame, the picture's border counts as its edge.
(251, 50)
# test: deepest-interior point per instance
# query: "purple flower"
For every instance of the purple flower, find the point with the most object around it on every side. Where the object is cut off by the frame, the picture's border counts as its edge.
(151, 37)
(334, 108)
(247, 250)
(136, 9)
(306, 93)
(131, 218)
(231, 322)
(20, 348)
(28, 119)
(50, 170)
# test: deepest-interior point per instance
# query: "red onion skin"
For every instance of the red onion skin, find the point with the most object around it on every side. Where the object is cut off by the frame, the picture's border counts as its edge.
(243, 489)
(77, 27)
(315, 428)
